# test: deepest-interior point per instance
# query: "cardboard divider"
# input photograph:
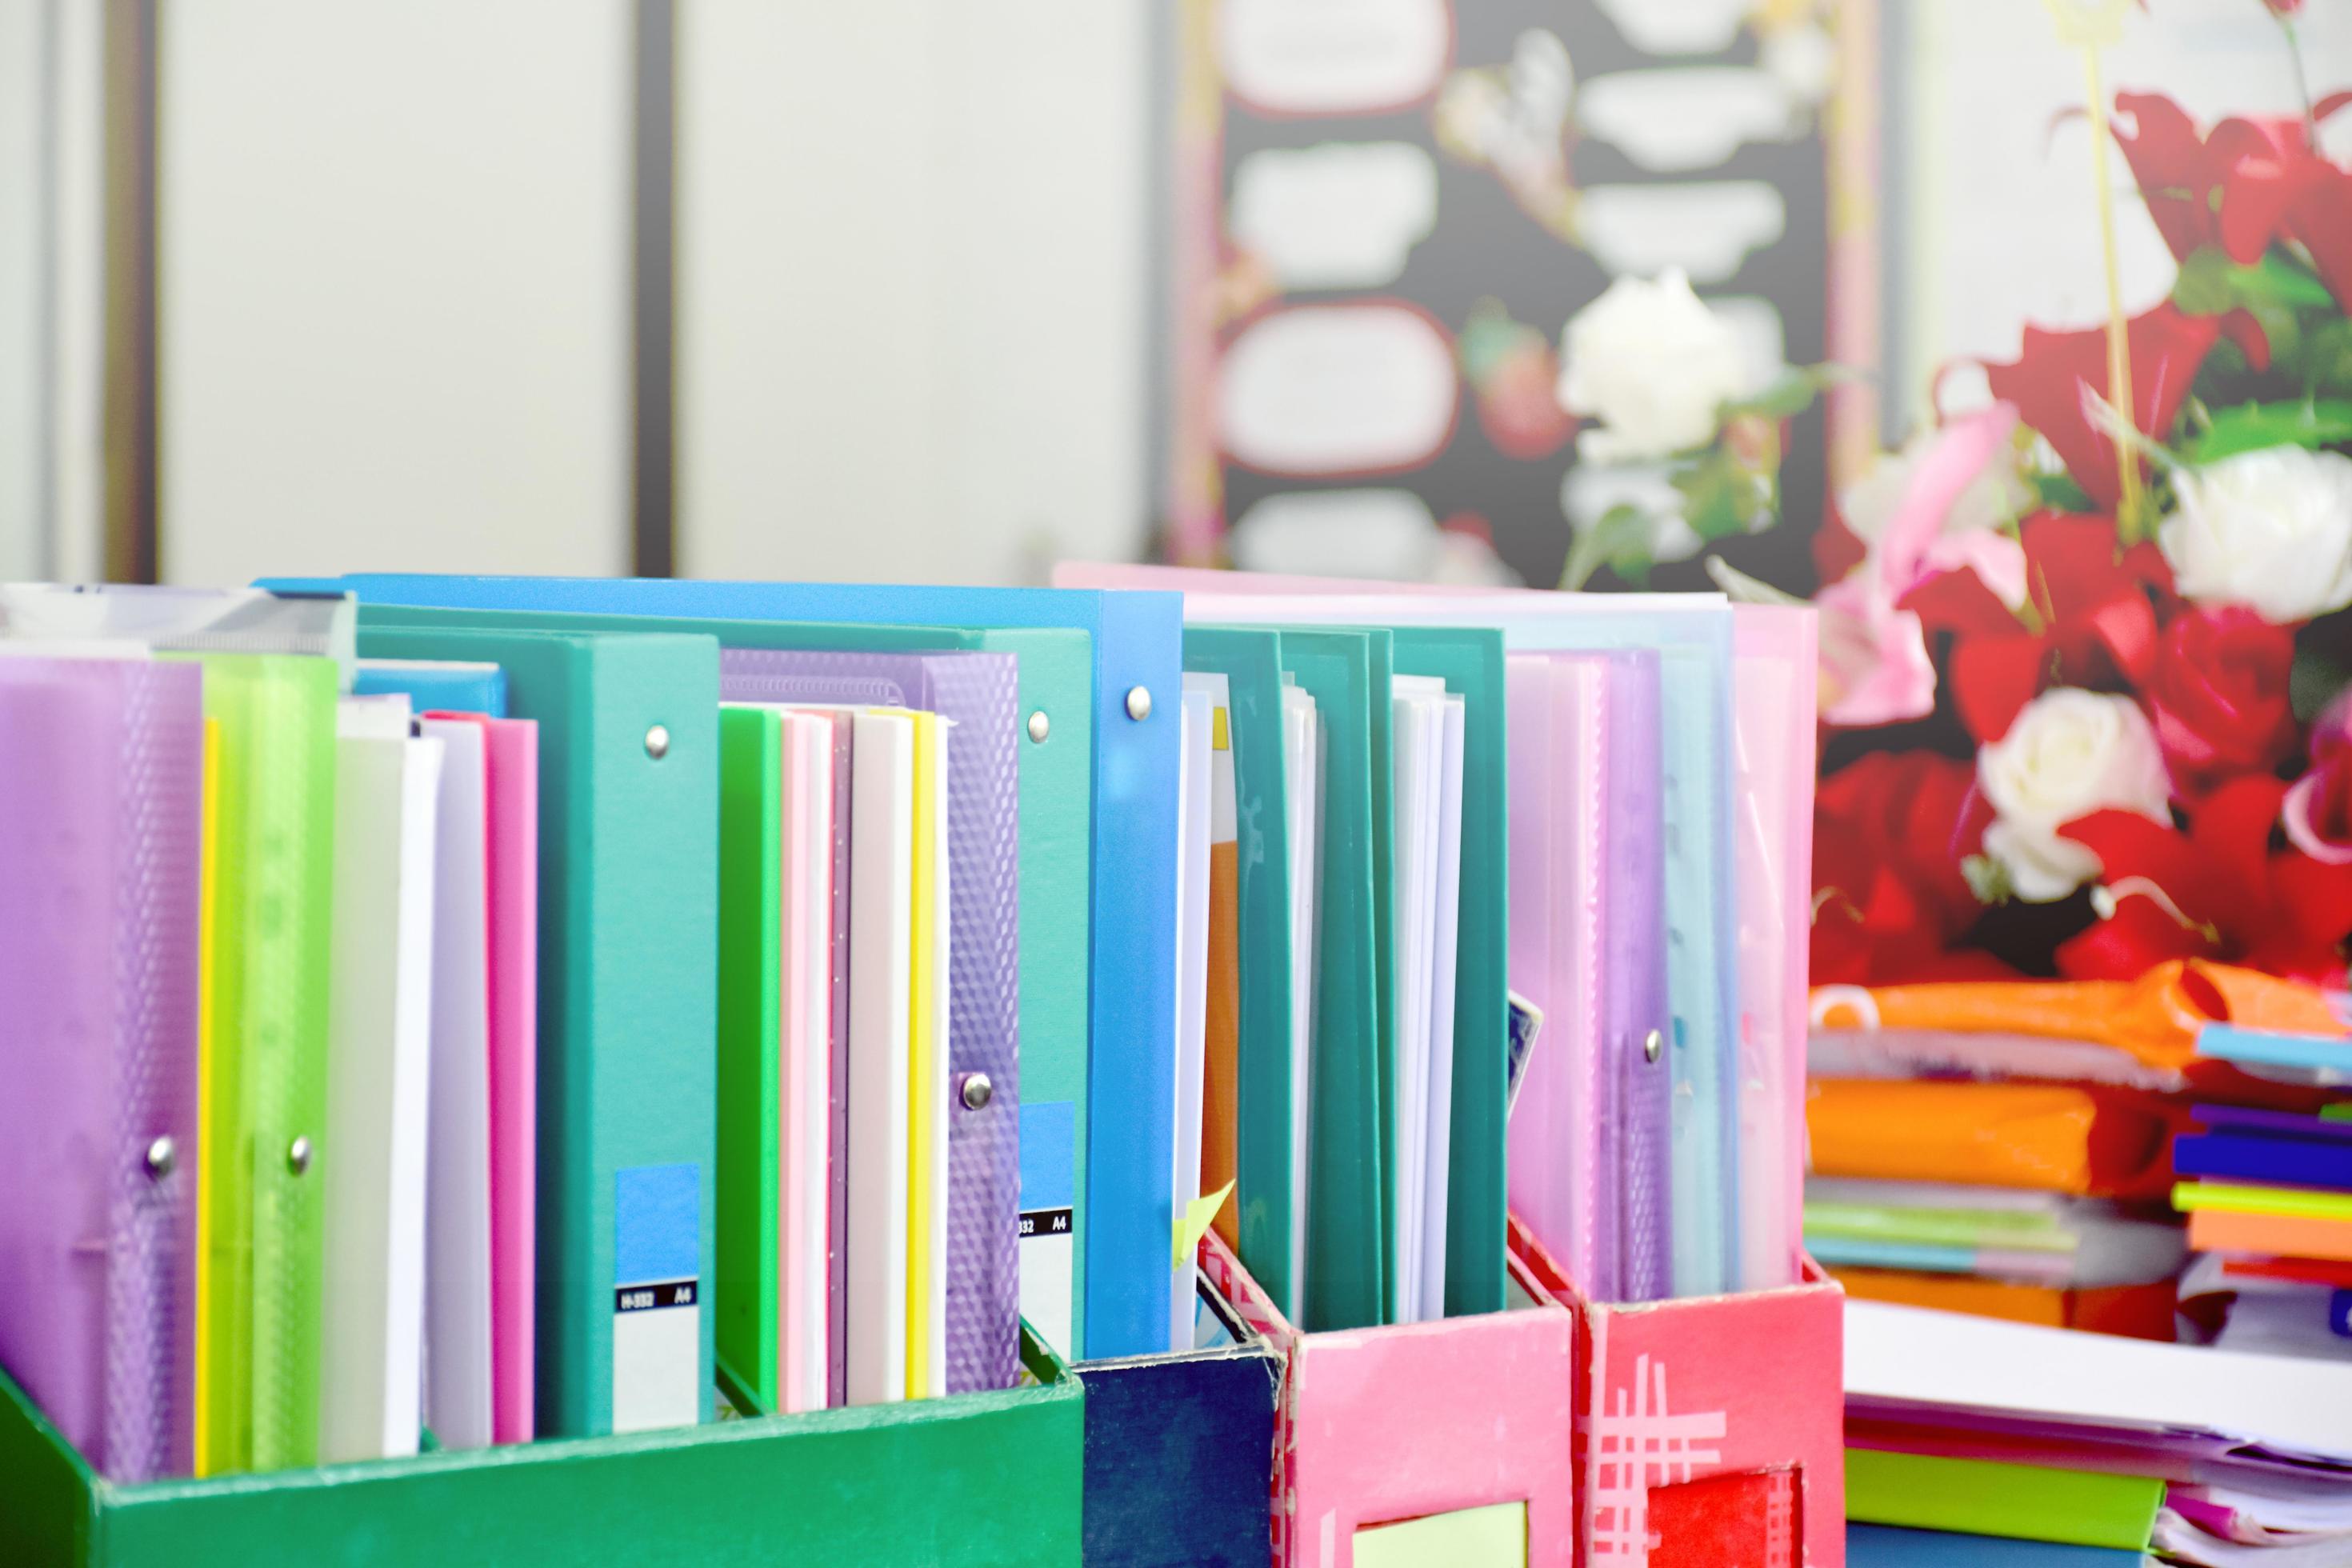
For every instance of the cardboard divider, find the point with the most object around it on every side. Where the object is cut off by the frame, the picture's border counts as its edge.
(1408, 1422)
(1710, 1431)
(971, 1478)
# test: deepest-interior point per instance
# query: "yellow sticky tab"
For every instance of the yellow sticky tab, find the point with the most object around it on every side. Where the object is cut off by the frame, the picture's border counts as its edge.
(1198, 1215)
(1220, 737)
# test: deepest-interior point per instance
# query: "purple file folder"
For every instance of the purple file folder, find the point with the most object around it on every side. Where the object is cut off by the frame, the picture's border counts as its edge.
(101, 796)
(977, 692)
(1589, 1170)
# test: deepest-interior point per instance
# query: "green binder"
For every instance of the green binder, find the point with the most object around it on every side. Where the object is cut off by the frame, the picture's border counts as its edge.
(628, 737)
(1349, 1267)
(266, 1074)
(1056, 676)
(751, 947)
(1982, 1497)
(1470, 662)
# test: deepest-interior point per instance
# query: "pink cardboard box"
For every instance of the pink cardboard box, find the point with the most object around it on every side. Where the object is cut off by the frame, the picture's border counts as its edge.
(1710, 1432)
(1379, 1426)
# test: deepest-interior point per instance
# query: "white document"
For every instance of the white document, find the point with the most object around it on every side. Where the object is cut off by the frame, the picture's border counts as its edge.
(458, 1164)
(1302, 741)
(1191, 985)
(1438, 1158)
(936, 1087)
(807, 1002)
(379, 1045)
(2285, 1404)
(881, 943)
(1418, 744)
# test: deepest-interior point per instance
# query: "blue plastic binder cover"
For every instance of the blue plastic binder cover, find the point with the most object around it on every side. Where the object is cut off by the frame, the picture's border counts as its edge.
(627, 1013)
(1885, 1546)
(434, 684)
(2326, 1057)
(2265, 1161)
(1138, 677)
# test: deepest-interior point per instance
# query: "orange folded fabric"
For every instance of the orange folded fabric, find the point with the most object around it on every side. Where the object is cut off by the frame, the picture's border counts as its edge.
(2133, 1311)
(2155, 1019)
(2271, 1234)
(2087, 1141)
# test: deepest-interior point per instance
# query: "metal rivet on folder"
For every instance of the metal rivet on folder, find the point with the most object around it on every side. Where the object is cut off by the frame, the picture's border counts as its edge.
(1039, 725)
(1138, 703)
(298, 1154)
(161, 1155)
(977, 1091)
(658, 742)
(1653, 1046)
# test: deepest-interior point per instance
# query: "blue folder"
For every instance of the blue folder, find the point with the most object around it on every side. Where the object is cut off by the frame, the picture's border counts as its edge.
(1138, 670)
(2265, 1161)
(1884, 1546)
(448, 686)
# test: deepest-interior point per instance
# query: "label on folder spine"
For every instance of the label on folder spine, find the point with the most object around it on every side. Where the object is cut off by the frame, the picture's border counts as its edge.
(1049, 1245)
(656, 1296)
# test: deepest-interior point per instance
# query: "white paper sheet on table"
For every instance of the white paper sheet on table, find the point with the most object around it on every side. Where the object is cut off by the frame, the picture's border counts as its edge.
(1203, 695)
(1302, 739)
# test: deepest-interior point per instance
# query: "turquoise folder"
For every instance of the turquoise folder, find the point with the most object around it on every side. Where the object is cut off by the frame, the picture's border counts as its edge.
(1349, 1267)
(1137, 648)
(1470, 662)
(1056, 776)
(1250, 662)
(628, 735)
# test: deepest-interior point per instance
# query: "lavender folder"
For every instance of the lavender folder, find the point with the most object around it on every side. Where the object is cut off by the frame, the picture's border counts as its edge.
(1589, 1135)
(977, 692)
(101, 793)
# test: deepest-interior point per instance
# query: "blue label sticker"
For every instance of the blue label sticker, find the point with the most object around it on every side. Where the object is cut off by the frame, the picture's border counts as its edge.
(1049, 1155)
(656, 1224)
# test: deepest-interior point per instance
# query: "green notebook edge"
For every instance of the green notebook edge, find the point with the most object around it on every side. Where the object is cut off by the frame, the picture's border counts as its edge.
(1985, 1497)
(751, 952)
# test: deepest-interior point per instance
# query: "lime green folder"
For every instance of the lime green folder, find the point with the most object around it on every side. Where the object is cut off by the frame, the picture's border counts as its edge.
(1348, 1255)
(1251, 661)
(1982, 1497)
(1057, 816)
(259, 1280)
(751, 947)
(1470, 662)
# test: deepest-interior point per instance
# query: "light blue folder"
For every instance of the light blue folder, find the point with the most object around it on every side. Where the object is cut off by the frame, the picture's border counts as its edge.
(1139, 662)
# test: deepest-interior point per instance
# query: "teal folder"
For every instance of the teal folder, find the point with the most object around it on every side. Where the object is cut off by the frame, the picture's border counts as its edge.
(1250, 662)
(1349, 1267)
(1470, 662)
(1055, 812)
(628, 734)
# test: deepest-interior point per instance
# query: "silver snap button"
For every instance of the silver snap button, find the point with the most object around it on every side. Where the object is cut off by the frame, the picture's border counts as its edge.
(1138, 703)
(1653, 1046)
(977, 1091)
(1039, 725)
(161, 1155)
(298, 1154)
(658, 742)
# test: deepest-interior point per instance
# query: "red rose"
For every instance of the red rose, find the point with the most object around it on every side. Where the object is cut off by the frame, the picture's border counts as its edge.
(1890, 830)
(2218, 692)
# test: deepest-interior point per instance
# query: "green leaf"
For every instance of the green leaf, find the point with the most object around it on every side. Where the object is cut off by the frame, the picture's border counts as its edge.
(2251, 427)
(1792, 394)
(1619, 539)
(2210, 284)
(2060, 493)
(1988, 880)
(2327, 356)
(1717, 496)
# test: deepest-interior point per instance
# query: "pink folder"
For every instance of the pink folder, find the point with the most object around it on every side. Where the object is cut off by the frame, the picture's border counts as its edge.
(511, 748)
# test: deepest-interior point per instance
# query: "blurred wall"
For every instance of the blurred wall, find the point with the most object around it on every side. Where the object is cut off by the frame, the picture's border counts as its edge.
(22, 27)
(911, 312)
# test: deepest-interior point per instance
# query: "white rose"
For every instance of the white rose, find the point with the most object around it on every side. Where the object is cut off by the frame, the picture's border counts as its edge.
(2271, 530)
(2069, 754)
(1652, 363)
(1804, 59)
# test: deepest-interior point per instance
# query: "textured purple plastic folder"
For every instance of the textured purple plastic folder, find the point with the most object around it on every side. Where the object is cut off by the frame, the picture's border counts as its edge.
(101, 793)
(1590, 1170)
(977, 692)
